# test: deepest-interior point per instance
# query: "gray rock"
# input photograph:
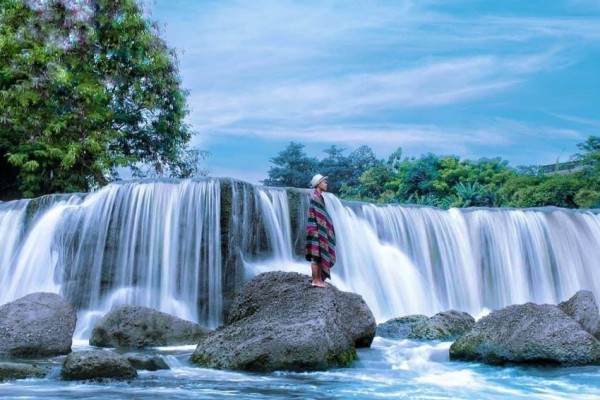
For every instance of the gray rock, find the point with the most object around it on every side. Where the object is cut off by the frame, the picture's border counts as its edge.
(37, 325)
(9, 371)
(582, 308)
(280, 322)
(98, 364)
(399, 328)
(136, 327)
(528, 333)
(146, 362)
(443, 326)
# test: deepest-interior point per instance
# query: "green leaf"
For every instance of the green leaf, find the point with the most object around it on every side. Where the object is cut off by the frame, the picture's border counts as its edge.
(31, 166)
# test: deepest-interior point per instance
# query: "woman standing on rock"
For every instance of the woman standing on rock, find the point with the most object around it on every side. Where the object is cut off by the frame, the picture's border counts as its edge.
(320, 235)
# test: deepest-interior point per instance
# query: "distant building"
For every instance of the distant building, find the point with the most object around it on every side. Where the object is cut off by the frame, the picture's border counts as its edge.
(567, 167)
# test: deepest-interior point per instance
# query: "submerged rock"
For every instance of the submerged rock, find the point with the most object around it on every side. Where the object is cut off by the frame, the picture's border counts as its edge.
(443, 326)
(9, 371)
(37, 325)
(527, 333)
(399, 328)
(280, 322)
(99, 364)
(582, 308)
(146, 362)
(136, 326)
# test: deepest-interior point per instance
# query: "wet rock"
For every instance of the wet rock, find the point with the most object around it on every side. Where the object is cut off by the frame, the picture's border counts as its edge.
(280, 322)
(146, 362)
(37, 325)
(9, 371)
(527, 333)
(399, 328)
(443, 326)
(136, 327)
(86, 365)
(582, 308)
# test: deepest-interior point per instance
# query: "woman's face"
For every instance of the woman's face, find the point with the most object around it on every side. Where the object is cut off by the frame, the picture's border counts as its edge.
(323, 185)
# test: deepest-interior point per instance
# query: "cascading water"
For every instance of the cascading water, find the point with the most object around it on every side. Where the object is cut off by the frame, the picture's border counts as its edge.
(12, 218)
(186, 247)
(404, 259)
(410, 259)
(153, 244)
(274, 204)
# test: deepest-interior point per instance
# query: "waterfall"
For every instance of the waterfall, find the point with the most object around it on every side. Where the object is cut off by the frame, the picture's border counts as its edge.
(411, 259)
(154, 244)
(274, 206)
(186, 247)
(12, 221)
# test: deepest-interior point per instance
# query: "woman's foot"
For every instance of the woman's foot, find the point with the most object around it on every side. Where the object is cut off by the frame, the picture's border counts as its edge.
(319, 284)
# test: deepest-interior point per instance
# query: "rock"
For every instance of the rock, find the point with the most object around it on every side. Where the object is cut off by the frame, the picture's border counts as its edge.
(280, 322)
(37, 325)
(96, 365)
(582, 308)
(443, 326)
(399, 328)
(528, 333)
(9, 370)
(146, 362)
(136, 327)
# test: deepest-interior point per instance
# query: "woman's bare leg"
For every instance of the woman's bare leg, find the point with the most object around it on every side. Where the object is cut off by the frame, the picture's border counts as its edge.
(316, 275)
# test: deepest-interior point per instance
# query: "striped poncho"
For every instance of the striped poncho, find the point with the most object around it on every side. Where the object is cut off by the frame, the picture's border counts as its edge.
(320, 235)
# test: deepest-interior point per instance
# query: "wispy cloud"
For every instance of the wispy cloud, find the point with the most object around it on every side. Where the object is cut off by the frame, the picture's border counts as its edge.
(434, 84)
(595, 123)
(289, 61)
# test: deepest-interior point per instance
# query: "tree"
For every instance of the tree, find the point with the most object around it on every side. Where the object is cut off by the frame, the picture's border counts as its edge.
(590, 158)
(374, 184)
(360, 161)
(558, 190)
(417, 176)
(292, 167)
(87, 87)
(586, 198)
(336, 167)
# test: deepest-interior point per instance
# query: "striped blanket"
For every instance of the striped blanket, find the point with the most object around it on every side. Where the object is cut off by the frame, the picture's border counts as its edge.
(320, 235)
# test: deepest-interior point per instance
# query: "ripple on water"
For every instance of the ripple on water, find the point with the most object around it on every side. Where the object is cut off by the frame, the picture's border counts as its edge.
(391, 369)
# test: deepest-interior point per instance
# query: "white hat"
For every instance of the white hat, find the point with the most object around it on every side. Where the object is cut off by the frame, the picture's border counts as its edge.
(318, 178)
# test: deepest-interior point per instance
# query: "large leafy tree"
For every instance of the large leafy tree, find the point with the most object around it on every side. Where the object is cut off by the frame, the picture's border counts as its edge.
(292, 167)
(87, 86)
(336, 167)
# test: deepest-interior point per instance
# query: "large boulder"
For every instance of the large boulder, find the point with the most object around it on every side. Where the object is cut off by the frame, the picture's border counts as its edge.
(9, 371)
(582, 308)
(97, 364)
(443, 326)
(527, 333)
(136, 327)
(37, 325)
(399, 328)
(280, 322)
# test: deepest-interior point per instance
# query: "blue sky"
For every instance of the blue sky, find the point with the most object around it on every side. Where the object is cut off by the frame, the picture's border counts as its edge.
(516, 79)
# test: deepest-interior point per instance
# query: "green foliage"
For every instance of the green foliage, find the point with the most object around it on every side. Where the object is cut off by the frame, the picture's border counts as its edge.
(336, 167)
(586, 198)
(375, 184)
(85, 89)
(590, 159)
(551, 190)
(447, 181)
(292, 167)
